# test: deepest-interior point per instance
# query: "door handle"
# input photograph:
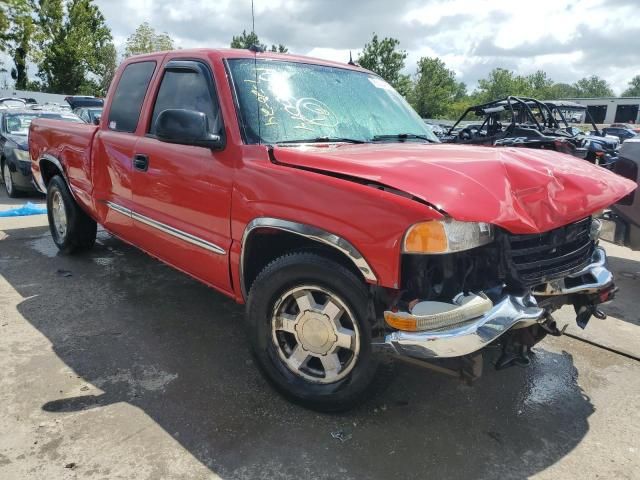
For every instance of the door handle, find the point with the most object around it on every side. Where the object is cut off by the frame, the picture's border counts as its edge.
(140, 162)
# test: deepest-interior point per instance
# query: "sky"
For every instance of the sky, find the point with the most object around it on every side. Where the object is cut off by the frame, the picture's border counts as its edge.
(568, 39)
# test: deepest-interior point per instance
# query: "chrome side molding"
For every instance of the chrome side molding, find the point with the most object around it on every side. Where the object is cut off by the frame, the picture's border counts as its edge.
(163, 227)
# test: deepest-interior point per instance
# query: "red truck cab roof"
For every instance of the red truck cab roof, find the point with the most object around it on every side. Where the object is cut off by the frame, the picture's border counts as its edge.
(225, 53)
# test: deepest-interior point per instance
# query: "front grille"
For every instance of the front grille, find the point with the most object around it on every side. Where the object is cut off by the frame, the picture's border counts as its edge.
(538, 258)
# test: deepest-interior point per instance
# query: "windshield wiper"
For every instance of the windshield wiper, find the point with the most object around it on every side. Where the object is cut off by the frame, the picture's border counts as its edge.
(322, 140)
(402, 136)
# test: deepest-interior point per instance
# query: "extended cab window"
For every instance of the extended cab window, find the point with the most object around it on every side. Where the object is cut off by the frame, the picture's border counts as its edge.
(187, 89)
(127, 100)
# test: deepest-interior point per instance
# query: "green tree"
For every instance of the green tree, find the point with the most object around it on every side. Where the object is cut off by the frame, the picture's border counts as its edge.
(562, 90)
(435, 89)
(384, 58)
(501, 83)
(593, 86)
(4, 25)
(634, 88)
(540, 85)
(107, 65)
(146, 40)
(75, 44)
(17, 36)
(247, 40)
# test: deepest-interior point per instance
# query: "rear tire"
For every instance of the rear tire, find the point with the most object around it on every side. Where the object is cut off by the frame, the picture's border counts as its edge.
(72, 229)
(310, 331)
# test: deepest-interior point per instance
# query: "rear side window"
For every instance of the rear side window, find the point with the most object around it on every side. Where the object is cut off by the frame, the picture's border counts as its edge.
(129, 95)
(188, 90)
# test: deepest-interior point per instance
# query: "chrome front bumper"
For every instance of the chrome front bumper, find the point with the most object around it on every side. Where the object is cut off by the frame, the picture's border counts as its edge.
(506, 314)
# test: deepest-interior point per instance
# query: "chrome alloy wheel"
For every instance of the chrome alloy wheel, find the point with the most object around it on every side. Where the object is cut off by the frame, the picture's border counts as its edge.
(315, 334)
(59, 214)
(6, 176)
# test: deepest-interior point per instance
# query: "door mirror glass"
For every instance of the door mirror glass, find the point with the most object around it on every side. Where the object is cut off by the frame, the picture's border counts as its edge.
(186, 127)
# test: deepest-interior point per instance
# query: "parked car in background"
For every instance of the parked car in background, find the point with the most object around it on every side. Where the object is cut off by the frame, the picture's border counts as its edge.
(628, 126)
(622, 133)
(12, 102)
(77, 101)
(15, 164)
(89, 114)
(261, 175)
(574, 117)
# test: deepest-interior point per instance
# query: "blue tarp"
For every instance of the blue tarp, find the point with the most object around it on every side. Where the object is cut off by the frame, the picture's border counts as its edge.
(26, 209)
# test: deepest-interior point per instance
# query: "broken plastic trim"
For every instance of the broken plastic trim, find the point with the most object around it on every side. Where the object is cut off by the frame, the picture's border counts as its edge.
(467, 338)
(462, 309)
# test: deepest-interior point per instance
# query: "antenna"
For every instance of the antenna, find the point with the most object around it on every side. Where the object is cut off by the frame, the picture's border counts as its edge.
(351, 62)
(253, 19)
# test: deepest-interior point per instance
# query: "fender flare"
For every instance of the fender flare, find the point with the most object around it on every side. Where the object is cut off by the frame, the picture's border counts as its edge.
(56, 163)
(312, 233)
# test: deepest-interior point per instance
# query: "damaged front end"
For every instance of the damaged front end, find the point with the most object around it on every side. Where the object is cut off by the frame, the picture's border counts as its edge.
(502, 293)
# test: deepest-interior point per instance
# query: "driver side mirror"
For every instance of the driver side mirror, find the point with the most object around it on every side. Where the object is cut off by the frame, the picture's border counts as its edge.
(186, 127)
(96, 120)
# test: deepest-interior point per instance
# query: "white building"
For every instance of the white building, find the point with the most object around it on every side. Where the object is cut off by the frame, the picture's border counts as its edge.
(606, 110)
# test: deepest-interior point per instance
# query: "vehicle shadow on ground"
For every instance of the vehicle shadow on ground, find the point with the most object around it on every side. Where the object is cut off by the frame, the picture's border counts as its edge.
(147, 335)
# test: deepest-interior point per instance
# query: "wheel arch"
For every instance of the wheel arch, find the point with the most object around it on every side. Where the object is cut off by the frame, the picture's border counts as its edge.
(285, 236)
(49, 167)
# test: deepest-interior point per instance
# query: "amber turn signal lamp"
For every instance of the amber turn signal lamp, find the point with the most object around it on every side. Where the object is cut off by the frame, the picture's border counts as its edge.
(400, 322)
(426, 237)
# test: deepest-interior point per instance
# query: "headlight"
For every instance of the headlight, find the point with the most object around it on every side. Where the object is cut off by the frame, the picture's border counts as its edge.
(22, 155)
(446, 236)
(596, 228)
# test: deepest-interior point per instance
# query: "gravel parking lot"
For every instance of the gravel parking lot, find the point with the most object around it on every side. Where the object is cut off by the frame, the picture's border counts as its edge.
(116, 366)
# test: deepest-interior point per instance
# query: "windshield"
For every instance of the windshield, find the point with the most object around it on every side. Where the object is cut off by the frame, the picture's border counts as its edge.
(18, 123)
(312, 102)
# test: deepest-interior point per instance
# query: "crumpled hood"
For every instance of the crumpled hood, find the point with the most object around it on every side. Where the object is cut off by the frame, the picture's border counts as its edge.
(521, 190)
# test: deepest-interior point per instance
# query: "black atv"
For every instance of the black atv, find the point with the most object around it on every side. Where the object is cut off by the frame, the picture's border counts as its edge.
(522, 122)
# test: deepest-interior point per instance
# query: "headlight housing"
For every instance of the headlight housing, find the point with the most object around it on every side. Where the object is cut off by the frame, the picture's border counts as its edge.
(446, 236)
(22, 155)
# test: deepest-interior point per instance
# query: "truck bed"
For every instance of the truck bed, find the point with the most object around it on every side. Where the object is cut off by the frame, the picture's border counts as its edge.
(71, 144)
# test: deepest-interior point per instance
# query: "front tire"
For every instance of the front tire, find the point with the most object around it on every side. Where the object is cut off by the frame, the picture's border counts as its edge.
(310, 331)
(7, 179)
(71, 228)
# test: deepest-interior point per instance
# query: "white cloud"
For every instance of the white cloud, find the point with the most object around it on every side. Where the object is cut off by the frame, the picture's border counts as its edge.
(566, 38)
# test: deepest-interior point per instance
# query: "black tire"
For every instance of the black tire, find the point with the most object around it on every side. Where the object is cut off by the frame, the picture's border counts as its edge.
(81, 229)
(10, 188)
(281, 276)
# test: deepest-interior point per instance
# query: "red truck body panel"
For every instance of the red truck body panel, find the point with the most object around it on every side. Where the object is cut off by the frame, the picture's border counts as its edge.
(72, 142)
(213, 195)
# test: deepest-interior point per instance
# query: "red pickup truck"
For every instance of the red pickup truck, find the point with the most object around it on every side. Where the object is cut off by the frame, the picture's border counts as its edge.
(311, 191)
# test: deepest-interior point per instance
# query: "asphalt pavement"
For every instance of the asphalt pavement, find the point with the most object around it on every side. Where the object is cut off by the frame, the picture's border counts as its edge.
(115, 366)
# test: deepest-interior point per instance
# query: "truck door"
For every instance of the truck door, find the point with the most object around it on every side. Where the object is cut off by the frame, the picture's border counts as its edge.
(115, 146)
(181, 192)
